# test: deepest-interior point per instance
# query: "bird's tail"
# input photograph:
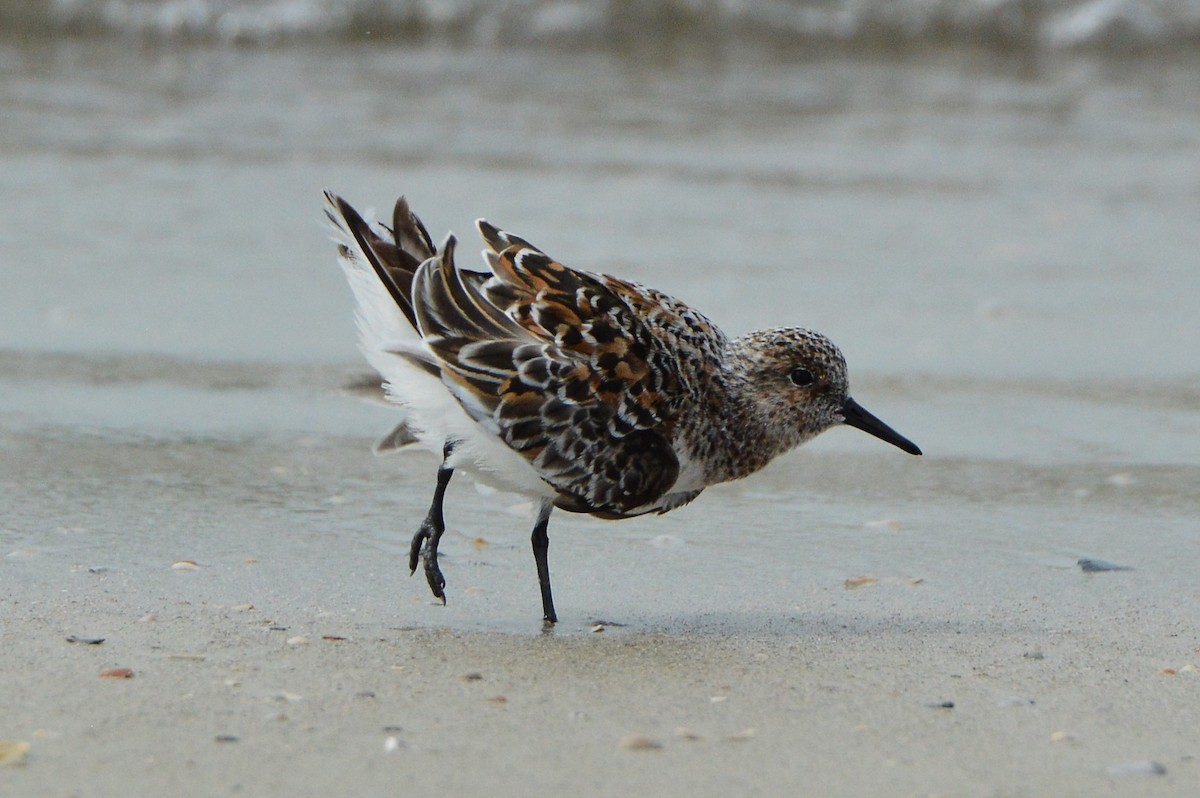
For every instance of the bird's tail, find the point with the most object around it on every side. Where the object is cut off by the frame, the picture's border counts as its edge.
(379, 263)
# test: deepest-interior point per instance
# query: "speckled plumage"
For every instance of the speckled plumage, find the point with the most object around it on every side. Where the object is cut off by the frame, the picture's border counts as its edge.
(620, 399)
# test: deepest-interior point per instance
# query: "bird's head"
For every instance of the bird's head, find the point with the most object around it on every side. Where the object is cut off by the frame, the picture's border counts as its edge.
(799, 378)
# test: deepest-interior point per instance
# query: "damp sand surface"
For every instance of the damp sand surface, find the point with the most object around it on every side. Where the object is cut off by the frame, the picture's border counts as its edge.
(1005, 251)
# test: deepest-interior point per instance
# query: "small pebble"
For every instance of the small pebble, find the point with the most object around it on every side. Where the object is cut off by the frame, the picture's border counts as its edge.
(12, 752)
(1189, 669)
(298, 640)
(242, 607)
(333, 638)
(392, 744)
(942, 705)
(1168, 672)
(742, 736)
(1034, 655)
(226, 738)
(498, 699)
(1147, 768)
(471, 677)
(718, 699)
(148, 618)
(598, 627)
(1090, 566)
(687, 734)
(184, 565)
(638, 742)
(855, 582)
(117, 673)
(889, 523)
(480, 543)
(87, 641)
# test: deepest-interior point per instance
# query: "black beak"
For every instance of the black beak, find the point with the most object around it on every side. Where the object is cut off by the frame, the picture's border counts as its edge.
(856, 416)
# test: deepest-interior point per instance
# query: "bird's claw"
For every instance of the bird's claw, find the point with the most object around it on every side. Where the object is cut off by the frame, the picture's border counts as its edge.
(424, 549)
(418, 543)
(433, 574)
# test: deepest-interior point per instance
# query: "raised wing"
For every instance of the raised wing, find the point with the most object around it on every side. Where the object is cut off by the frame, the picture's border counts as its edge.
(394, 261)
(561, 366)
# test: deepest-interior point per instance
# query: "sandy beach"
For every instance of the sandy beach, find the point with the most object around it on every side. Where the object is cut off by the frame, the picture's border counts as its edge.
(203, 576)
(834, 654)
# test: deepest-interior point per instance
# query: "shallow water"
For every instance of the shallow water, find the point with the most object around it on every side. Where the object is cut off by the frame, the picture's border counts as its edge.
(1004, 249)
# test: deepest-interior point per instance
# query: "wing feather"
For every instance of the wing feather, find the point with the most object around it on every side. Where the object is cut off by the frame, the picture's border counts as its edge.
(558, 366)
(393, 264)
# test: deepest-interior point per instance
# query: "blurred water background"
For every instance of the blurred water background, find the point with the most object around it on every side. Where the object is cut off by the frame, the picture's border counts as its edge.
(993, 207)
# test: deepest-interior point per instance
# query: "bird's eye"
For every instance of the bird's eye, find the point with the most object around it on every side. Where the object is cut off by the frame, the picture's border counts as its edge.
(801, 377)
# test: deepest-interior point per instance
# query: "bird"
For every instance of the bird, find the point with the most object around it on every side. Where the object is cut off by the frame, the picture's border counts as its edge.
(582, 391)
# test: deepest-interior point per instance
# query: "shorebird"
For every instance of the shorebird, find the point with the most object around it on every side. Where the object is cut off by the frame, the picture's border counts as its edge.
(586, 392)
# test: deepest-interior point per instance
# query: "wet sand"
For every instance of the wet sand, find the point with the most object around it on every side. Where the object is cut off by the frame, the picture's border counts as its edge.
(811, 651)
(1005, 257)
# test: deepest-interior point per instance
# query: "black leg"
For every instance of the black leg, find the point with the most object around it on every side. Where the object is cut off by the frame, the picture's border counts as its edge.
(541, 544)
(425, 542)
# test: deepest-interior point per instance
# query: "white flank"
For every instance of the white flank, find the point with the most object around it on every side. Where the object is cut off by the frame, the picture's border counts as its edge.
(433, 414)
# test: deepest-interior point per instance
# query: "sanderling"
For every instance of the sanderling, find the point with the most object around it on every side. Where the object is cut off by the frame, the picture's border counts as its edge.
(583, 391)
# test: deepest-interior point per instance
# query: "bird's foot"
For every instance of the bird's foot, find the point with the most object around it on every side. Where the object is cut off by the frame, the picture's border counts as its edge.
(433, 574)
(424, 548)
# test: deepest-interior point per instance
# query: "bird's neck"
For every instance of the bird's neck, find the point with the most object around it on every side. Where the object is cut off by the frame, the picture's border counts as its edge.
(734, 435)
